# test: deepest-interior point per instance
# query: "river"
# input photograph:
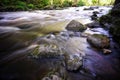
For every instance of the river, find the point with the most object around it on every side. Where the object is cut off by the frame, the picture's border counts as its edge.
(20, 33)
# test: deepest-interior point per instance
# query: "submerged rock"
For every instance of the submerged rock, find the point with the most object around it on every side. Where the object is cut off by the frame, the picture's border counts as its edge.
(73, 62)
(75, 26)
(99, 41)
(94, 24)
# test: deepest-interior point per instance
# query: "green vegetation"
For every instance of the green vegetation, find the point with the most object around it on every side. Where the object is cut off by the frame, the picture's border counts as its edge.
(81, 3)
(111, 21)
(13, 5)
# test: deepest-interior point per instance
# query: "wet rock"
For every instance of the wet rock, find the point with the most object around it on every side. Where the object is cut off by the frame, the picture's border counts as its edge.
(73, 62)
(94, 24)
(55, 77)
(69, 45)
(52, 77)
(72, 49)
(75, 26)
(99, 41)
(105, 19)
(94, 16)
(46, 50)
(57, 73)
(90, 8)
(70, 34)
(46, 78)
(77, 10)
(106, 51)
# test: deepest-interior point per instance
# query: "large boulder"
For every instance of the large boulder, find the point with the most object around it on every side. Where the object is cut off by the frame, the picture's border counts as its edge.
(99, 41)
(75, 26)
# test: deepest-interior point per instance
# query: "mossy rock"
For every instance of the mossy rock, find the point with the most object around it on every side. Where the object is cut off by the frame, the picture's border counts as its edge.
(73, 62)
(99, 41)
(105, 19)
(46, 50)
(76, 26)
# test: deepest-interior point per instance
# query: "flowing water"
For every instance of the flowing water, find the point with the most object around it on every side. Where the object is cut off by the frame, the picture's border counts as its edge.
(19, 32)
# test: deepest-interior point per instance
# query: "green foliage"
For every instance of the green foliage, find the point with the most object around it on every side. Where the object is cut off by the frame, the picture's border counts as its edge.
(12, 5)
(67, 3)
(19, 5)
(81, 3)
(94, 2)
(30, 6)
(56, 2)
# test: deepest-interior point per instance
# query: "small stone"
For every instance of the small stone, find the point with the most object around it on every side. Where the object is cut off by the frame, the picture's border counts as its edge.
(55, 77)
(106, 51)
(46, 78)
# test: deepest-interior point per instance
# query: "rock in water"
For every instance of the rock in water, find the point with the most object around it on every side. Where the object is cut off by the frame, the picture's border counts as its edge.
(94, 16)
(72, 49)
(75, 26)
(73, 62)
(99, 41)
(106, 51)
(46, 50)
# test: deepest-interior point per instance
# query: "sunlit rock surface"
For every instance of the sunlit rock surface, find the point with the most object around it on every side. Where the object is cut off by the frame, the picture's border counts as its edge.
(99, 41)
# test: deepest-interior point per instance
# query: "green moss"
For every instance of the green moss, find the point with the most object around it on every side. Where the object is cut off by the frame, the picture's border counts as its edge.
(99, 41)
(105, 19)
(35, 52)
(99, 36)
